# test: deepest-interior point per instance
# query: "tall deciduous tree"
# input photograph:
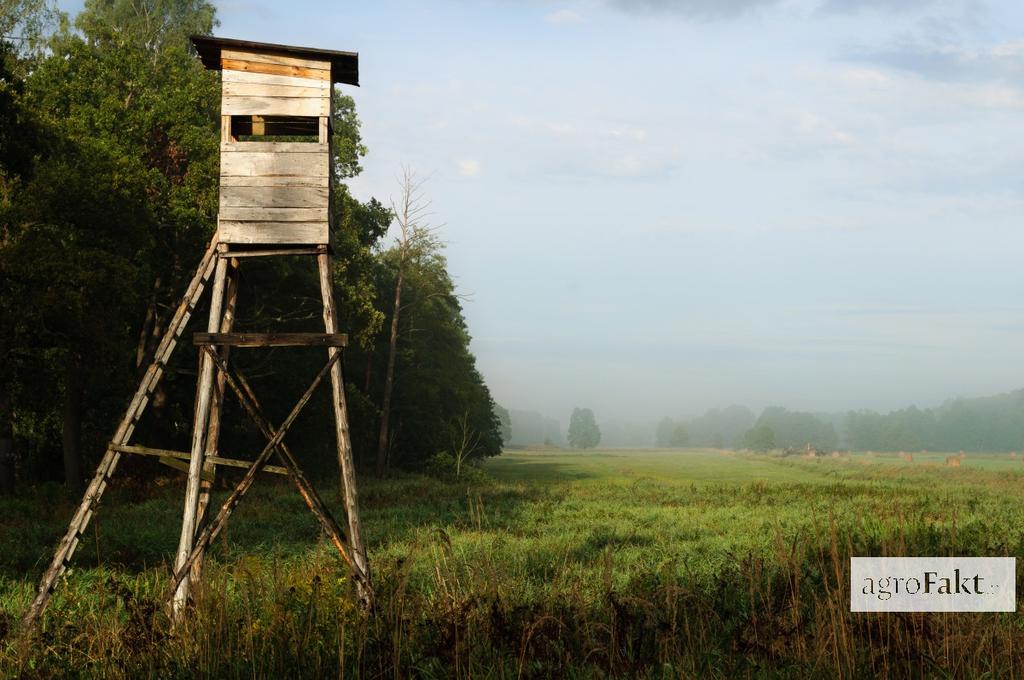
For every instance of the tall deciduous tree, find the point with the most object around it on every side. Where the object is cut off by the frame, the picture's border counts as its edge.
(583, 430)
(415, 240)
(125, 196)
(435, 380)
(20, 142)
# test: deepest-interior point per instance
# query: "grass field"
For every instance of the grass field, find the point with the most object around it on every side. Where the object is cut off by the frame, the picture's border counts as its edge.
(689, 563)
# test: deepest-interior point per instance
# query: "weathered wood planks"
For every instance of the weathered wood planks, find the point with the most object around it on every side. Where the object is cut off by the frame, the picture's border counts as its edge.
(273, 197)
(290, 90)
(273, 214)
(185, 455)
(243, 163)
(255, 83)
(248, 77)
(272, 181)
(265, 57)
(332, 339)
(275, 106)
(275, 69)
(273, 232)
(275, 193)
(274, 147)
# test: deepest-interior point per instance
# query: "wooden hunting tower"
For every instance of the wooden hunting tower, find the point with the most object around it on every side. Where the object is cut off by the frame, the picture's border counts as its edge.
(275, 139)
(275, 199)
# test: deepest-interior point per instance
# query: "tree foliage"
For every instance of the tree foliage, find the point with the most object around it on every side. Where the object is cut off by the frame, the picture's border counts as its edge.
(759, 438)
(437, 383)
(505, 420)
(994, 423)
(109, 163)
(583, 430)
(793, 429)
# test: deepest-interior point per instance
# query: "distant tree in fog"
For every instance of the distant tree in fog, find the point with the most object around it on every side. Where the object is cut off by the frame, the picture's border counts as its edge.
(663, 435)
(583, 430)
(760, 438)
(721, 427)
(795, 429)
(505, 418)
(680, 436)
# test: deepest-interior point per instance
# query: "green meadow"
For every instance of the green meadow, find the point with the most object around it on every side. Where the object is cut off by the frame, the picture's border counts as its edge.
(614, 563)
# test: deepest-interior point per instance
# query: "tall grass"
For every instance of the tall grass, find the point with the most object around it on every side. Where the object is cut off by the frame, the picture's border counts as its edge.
(564, 567)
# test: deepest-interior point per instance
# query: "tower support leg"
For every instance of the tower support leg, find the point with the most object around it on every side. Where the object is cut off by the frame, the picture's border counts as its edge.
(345, 462)
(227, 322)
(204, 396)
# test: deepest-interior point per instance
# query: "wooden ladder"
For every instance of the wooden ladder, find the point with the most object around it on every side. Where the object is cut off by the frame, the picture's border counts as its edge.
(93, 493)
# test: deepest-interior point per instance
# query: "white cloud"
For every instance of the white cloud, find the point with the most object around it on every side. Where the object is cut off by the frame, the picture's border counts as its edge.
(816, 128)
(560, 128)
(861, 77)
(468, 167)
(1011, 50)
(994, 97)
(634, 134)
(563, 17)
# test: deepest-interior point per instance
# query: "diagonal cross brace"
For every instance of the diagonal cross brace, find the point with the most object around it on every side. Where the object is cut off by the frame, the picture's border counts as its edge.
(306, 489)
(275, 443)
(250, 403)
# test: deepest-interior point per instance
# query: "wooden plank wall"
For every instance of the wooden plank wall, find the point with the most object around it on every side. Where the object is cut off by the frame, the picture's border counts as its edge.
(270, 85)
(274, 192)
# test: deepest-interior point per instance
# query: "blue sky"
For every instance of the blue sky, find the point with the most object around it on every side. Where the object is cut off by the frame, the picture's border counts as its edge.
(660, 206)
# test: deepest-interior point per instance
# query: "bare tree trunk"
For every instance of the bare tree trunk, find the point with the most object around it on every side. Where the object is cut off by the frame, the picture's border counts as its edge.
(389, 376)
(415, 238)
(369, 372)
(150, 327)
(71, 434)
(6, 448)
(149, 337)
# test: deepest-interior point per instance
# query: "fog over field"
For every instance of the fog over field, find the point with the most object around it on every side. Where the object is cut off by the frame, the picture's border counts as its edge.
(658, 207)
(669, 327)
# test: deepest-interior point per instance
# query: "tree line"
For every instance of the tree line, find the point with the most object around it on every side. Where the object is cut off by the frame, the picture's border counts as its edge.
(109, 163)
(994, 423)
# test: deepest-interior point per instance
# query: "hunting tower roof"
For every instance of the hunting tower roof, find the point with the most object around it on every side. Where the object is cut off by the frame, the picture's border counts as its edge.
(344, 65)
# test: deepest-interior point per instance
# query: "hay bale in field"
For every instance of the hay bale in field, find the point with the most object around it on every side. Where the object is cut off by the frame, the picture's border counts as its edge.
(835, 454)
(952, 461)
(1013, 454)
